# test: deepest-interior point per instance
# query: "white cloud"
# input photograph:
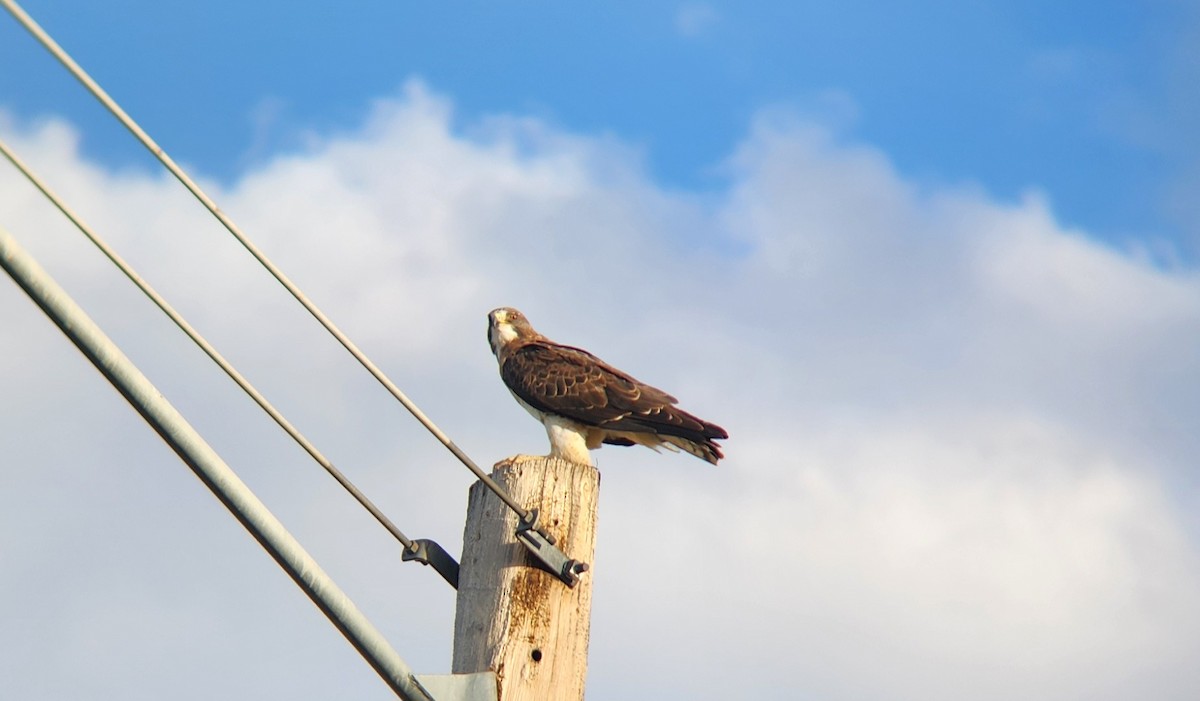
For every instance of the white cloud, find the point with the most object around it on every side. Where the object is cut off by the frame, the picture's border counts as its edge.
(695, 19)
(956, 426)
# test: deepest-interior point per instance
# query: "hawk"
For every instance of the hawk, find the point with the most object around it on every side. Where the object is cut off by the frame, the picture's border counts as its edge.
(584, 402)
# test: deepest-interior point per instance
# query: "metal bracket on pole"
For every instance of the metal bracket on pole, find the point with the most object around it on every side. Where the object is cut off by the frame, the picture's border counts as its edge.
(480, 686)
(427, 552)
(541, 545)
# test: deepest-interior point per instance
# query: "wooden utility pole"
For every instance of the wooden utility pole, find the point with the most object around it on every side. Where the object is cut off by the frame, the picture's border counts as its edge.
(513, 617)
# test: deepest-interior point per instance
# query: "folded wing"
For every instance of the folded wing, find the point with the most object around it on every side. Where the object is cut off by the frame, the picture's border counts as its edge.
(575, 384)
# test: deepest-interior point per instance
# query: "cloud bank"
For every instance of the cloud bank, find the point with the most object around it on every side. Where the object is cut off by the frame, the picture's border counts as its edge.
(962, 449)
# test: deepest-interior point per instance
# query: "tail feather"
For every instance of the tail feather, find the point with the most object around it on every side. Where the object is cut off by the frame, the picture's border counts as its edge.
(708, 450)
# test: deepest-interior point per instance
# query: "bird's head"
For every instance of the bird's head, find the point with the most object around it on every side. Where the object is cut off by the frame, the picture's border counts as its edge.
(506, 325)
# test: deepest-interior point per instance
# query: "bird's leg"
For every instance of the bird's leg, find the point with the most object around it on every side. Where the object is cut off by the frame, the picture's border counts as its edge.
(568, 440)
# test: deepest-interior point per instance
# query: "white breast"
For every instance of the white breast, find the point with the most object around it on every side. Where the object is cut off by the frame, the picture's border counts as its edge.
(539, 415)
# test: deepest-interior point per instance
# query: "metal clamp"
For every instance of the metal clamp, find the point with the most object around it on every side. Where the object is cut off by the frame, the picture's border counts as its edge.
(427, 552)
(541, 545)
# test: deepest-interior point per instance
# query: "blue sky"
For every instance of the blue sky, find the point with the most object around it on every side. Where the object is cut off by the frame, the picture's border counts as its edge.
(1087, 102)
(933, 269)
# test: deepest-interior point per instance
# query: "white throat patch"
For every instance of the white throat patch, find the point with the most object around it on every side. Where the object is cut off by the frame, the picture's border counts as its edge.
(502, 334)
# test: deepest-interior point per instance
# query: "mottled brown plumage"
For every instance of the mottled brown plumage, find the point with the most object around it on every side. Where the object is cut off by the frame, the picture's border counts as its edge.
(584, 402)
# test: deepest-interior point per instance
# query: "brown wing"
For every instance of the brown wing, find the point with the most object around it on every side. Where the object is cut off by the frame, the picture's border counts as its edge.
(575, 384)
